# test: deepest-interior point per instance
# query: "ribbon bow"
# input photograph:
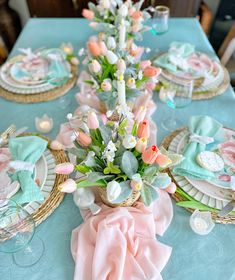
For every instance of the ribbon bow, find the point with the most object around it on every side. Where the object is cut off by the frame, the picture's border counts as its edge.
(201, 139)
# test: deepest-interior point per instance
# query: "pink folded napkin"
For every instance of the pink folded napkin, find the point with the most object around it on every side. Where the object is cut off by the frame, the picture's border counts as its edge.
(120, 243)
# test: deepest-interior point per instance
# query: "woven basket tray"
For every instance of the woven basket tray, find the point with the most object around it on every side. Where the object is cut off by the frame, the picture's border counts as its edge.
(229, 219)
(43, 96)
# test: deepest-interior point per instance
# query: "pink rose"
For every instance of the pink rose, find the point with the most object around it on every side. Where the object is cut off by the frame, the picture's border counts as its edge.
(151, 71)
(227, 151)
(88, 14)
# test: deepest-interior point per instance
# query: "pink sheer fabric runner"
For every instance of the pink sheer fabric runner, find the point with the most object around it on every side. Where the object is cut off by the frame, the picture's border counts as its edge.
(120, 243)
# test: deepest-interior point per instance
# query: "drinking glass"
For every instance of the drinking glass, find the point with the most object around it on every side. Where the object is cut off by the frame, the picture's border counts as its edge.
(178, 94)
(17, 229)
(160, 19)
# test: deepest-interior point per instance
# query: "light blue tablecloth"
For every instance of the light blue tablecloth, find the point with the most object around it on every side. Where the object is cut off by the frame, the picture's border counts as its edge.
(194, 257)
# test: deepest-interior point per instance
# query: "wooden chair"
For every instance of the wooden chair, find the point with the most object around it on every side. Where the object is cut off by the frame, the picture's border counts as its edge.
(226, 52)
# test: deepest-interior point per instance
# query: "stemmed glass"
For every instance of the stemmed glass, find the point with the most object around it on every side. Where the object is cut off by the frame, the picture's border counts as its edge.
(17, 229)
(177, 93)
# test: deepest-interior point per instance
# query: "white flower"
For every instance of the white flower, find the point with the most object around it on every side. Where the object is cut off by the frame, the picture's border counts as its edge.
(124, 110)
(140, 75)
(131, 83)
(111, 57)
(113, 190)
(109, 152)
(123, 10)
(105, 4)
(89, 160)
(111, 43)
(129, 141)
(81, 52)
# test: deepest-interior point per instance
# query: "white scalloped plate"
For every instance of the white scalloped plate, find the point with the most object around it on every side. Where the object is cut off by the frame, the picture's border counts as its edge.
(45, 174)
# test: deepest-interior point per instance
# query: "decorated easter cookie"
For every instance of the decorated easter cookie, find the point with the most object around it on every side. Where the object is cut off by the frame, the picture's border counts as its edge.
(210, 161)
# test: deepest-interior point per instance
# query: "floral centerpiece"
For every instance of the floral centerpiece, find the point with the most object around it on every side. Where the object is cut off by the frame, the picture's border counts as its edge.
(115, 157)
(118, 18)
(112, 76)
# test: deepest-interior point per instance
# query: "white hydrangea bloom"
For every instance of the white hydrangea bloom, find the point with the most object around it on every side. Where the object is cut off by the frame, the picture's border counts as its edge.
(109, 152)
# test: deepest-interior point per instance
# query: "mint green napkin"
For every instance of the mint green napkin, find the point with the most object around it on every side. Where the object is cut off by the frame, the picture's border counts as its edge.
(178, 49)
(27, 149)
(203, 126)
(181, 49)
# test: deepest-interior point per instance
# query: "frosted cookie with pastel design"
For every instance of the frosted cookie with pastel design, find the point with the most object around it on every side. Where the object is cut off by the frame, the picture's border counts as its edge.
(210, 161)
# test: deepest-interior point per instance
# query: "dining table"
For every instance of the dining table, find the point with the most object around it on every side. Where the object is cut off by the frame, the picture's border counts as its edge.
(194, 257)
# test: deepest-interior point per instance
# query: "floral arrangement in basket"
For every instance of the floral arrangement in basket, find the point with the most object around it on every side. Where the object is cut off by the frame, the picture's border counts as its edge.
(110, 71)
(115, 157)
(118, 18)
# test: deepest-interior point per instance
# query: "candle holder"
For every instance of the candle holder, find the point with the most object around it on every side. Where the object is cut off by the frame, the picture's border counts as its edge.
(201, 222)
(44, 124)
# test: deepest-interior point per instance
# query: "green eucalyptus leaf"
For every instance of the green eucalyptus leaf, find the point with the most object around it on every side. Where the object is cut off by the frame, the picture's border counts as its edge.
(96, 176)
(194, 205)
(129, 164)
(148, 195)
(161, 181)
(132, 93)
(87, 184)
(150, 171)
(126, 192)
(106, 133)
(80, 153)
(82, 169)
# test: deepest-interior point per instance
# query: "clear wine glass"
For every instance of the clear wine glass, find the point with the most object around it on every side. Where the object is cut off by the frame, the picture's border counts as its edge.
(17, 229)
(177, 93)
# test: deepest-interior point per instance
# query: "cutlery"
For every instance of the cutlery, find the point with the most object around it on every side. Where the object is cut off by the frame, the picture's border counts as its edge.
(228, 208)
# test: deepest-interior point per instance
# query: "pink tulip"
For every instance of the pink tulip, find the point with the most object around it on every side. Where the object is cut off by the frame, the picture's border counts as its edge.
(56, 145)
(151, 71)
(171, 188)
(92, 120)
(104, 118)
(136, 27)
(143, 129)
(163, 160)
(103, 48)
(144, 64)
(94, 48)
(131, 83)
(106, 85)
(137, 15)
(131, 11)
(140, 114)
(150, 86)
(150, 155)
(69, 186)
(121, 65)
(93, 24)
(136, 51)
(141, 145)
(83, 139)
(65, 168)
(88, 14)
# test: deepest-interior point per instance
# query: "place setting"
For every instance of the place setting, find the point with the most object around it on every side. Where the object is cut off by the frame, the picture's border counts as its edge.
(40, 75)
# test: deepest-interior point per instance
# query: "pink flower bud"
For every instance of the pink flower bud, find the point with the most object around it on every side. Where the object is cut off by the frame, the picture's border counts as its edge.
(151, 71)
(137, 15)
(141, 145)
(163, 160)
(94, 66)
(131, 83)
(94, 48)
(171, 188)
(144, 64)
(83, 139)
(143, 129)
(74, 61)
(121, 65)
(150, 155)
(106, 85)
(56, 145)
(64, 168)
(88, 14)
(92, 120)
(103, 48)
(69, 186)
